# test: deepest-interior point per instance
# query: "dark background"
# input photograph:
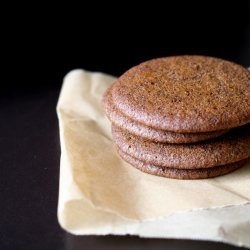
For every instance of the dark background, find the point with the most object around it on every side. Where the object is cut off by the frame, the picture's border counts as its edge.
(39, 46)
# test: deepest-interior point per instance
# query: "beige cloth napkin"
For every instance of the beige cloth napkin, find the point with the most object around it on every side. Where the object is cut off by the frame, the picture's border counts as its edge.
(101, 194)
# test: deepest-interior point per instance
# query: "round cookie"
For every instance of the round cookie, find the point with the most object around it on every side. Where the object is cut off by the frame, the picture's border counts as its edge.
(120, 120)
(232, 147)
(184, 174)
(185, 94)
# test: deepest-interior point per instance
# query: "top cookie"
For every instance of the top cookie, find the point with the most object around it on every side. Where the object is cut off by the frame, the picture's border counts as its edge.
(185, 94)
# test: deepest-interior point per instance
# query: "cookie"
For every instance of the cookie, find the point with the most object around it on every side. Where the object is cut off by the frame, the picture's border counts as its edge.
(185, 94)
(184, 174)
(232, 147)
(139, 129)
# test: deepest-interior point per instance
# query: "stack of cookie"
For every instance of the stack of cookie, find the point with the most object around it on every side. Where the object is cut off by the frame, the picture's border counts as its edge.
(184, 117)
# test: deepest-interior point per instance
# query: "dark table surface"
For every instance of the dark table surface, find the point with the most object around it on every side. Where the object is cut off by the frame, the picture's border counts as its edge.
(35, 65)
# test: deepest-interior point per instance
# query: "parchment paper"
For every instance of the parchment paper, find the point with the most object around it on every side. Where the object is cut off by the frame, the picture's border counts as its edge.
(101, 194)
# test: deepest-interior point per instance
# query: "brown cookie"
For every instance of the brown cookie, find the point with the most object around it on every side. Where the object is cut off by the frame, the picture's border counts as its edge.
(139, 129)
(184, 174)
(185, 94)
(232, 147)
